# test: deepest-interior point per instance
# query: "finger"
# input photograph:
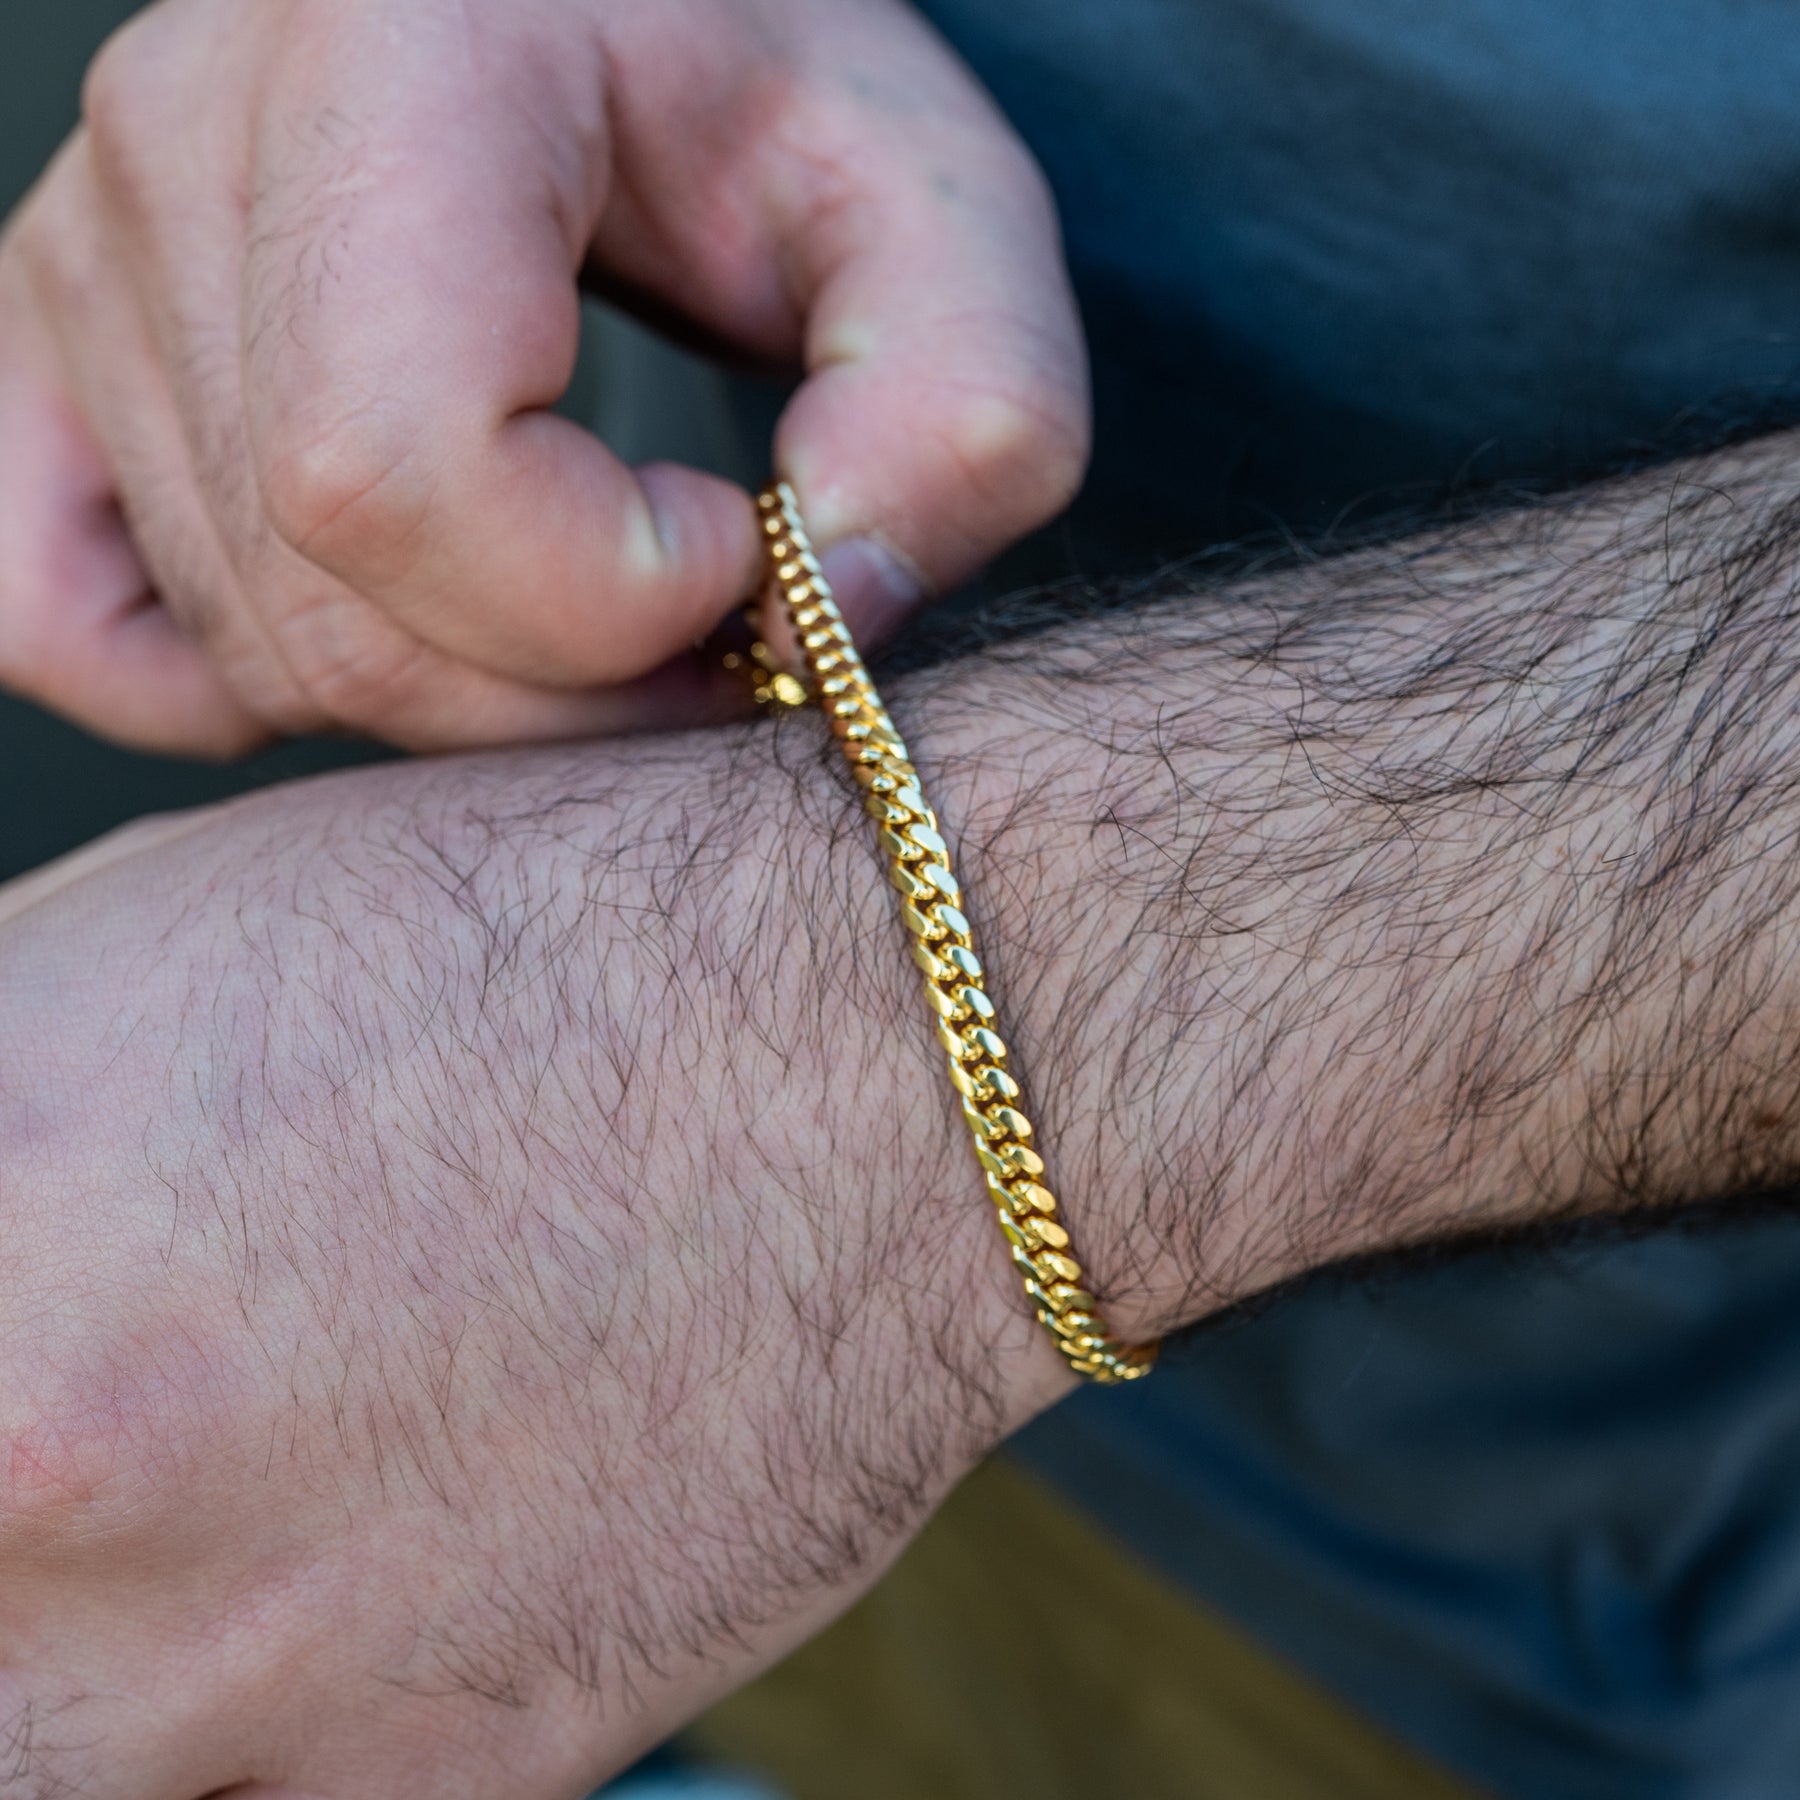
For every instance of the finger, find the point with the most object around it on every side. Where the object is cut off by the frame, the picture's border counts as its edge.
(946, 409)
(83, 342)
(374, 676)
(398, 416)
(80, 628)
(290, 633)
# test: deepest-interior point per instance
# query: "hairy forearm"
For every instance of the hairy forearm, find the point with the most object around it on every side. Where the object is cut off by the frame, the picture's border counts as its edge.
(505, 1221)
(503, 1188)
(1438, 889)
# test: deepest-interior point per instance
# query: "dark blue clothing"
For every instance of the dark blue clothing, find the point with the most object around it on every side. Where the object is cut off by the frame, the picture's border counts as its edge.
(1334, 253)
(1542, 1516)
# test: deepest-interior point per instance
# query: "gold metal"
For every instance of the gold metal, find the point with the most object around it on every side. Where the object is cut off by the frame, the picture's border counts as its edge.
(943, 945)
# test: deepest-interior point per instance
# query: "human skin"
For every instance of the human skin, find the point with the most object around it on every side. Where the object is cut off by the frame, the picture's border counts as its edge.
(490, 1256)
(281, 327)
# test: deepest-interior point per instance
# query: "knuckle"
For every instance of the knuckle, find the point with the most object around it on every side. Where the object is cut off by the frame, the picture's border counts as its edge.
(351, 690)
(366, 692)
(115, 95)
(1023, 449)
(262, 684)
(340, 496)
(353, 670)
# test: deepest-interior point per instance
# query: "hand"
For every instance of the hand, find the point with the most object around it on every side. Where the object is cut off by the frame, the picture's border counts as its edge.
(279, 329)
(449, 1329)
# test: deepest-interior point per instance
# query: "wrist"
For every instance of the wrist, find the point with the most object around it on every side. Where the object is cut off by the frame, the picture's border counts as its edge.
(873, 1098)
(1210, 1021)
(1028, 797)
(1337, 916)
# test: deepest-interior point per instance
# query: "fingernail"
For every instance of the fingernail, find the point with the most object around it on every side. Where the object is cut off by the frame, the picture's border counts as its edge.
(875, 591)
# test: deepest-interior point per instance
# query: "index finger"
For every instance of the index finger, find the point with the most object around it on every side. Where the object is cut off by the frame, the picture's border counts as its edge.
(946, 408)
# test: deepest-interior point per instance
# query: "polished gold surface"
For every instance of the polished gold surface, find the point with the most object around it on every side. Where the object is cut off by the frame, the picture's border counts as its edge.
(943, 947)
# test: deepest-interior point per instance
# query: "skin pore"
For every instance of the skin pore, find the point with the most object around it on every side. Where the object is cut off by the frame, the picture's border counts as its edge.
(491, 1258)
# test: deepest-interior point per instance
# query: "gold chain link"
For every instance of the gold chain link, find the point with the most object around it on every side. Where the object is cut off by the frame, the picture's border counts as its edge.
(943, 947)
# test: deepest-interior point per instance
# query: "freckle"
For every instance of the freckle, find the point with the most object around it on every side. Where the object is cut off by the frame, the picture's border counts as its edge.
(1766, 1120)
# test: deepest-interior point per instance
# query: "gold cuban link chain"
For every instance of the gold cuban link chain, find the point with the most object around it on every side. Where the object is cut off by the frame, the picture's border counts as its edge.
(942, 945)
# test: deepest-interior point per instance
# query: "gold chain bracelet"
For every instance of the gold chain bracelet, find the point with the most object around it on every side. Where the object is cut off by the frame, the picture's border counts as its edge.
(943, 946)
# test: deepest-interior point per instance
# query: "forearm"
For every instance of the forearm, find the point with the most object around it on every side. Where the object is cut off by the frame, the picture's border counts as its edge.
(1439, 889)
(500, 1231)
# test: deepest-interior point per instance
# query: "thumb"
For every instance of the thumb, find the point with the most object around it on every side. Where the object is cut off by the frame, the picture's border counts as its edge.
(945, 413)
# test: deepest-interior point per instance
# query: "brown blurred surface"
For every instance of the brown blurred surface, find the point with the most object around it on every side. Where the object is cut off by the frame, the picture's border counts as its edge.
(1016, 1654)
